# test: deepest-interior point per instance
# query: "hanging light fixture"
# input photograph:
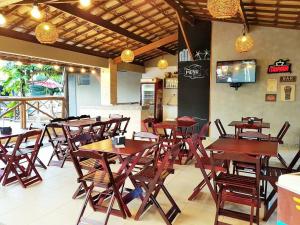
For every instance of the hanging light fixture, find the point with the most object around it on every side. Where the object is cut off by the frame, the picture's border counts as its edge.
(244, 43)
(56, 67)
(223, 9)
(85, 3)
(162, 64)
(71, 69)
(39, 65)
(83, 70)
(46, 33)
(127, 56)
(35, 11)
(19, 63)
(2, 19)
(93, 71)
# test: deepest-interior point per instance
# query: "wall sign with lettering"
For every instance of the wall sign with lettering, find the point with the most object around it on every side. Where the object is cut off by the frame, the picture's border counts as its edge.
(280, 66)
(288, 79)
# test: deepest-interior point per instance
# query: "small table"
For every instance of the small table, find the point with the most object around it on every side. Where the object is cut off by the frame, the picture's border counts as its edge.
(129, 156)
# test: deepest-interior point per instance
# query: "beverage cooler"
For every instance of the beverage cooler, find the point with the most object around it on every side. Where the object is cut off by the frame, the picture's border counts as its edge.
(289, 199)
(152, 97)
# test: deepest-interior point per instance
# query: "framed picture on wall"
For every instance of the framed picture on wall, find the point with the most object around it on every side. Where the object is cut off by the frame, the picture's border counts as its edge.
(270, 97)
(272, 85)
(287, 92)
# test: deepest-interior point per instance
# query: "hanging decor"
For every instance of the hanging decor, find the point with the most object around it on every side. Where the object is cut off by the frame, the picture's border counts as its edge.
(127, 56)
(223, 9)
(46, 33)
(162, 64)
(244, 43)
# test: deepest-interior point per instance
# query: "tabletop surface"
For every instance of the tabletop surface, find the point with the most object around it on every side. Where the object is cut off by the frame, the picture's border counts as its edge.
(178, 123)
(82, 122)
(14, 133)
(257, 124)
(251, 147)
(132, 147)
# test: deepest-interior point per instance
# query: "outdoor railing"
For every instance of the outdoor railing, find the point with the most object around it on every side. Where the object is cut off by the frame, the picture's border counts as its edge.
(26, 106)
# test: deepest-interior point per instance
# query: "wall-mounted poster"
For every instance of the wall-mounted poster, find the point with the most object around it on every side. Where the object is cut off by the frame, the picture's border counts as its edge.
(271, 97)
(288, 79)
(272, 85)
(288, 92)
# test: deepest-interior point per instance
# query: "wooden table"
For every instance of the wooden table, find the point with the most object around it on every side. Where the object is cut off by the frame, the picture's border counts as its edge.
(256, 124)
(129, 156)
(250, 147)
(82, 122)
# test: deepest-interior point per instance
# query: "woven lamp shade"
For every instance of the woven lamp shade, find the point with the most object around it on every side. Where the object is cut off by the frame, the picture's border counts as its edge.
(46, 33)
(244, 43)
(223, 9)
(127, 56)
(162, 64)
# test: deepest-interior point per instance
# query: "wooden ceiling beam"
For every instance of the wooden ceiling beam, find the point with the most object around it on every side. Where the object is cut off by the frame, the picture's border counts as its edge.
(31, 38)
(184, 34)
(73, 10)
(181, 10)
(152, 46)
(265, 5)
(243, 15)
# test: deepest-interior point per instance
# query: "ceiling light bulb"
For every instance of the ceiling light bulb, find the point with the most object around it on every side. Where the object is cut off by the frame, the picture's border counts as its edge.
(56, 67)
(2, 20)
(93, 71)
(71, 69)
(35, 12)
(85, 3)
(83, 70)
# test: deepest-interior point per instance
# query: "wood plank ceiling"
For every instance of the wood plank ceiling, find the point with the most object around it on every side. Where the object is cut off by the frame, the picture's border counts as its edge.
(108, 26)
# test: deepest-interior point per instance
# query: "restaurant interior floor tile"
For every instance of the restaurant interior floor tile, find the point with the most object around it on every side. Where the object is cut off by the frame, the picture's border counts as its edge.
(50, 202)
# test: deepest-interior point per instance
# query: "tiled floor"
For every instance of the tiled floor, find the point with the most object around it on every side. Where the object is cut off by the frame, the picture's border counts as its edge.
(50, 202)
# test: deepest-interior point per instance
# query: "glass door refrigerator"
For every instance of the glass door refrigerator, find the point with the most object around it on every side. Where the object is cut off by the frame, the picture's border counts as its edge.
(152, 97)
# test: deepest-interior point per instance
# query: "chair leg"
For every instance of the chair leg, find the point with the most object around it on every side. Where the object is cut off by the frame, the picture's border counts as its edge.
(87, 198)
(218, 209)
(257, 214)
(251, 214)
(111, 203)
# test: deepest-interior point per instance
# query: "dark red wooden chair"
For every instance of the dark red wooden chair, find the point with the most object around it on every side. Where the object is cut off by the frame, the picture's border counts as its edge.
(122, 130)
(98, 129)
(106, 182)
(243, 190)
(151, 180)
(58, 140)
(203, 162)
(222, 131)
(112, 128)
(147, 124)
(148, 156)
(20, 162)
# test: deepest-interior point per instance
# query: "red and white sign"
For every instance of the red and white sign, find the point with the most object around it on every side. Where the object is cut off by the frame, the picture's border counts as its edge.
(280, 66)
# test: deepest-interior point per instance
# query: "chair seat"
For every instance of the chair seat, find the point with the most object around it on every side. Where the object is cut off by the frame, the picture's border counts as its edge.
(239, 198)
(231, 181)
(144, 161)
(89, 164)
(148, 174)
(99, 178)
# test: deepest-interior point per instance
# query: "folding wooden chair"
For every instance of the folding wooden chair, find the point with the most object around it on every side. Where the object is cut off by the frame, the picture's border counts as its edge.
(203, 162)
(98, 129)
(58, 140)
(243, 190)
(20, 161)
(147, 124)
(110, 183)
(152, 179)
(112, 128)
(123, 125)
(222, 131)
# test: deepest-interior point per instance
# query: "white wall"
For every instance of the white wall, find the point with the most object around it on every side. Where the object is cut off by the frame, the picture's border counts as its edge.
(128, 87)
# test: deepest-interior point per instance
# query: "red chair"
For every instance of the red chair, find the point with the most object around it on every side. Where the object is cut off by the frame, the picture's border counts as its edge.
(222, 131)
(152, 179)
(20, 161)
(101, 180)
(147, 124)
(98, 130)
(243, 190)
(203, 162)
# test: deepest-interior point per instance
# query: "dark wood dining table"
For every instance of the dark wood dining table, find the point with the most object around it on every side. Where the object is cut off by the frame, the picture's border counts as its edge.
(129, 155)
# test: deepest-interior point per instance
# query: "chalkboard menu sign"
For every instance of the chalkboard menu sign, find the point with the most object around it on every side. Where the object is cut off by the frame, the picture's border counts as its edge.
(194, 75)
